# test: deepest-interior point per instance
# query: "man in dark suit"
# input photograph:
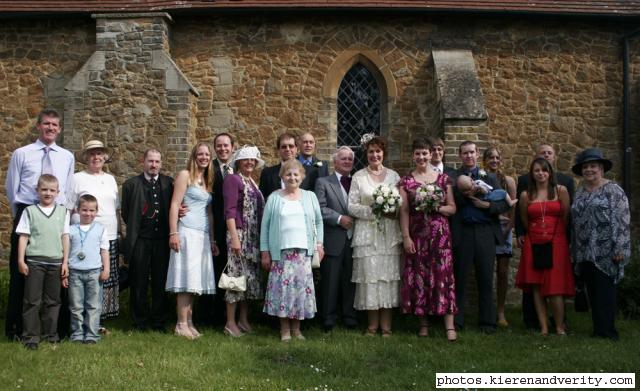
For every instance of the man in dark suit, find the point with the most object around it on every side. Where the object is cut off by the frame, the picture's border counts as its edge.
(332, 192)
(145, 210)
(313, 167)
(475, 231)
(547, 152)
(213, 307)
(287, 149)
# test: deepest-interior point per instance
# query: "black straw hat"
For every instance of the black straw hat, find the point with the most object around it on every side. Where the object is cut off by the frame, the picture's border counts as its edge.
(590, 155)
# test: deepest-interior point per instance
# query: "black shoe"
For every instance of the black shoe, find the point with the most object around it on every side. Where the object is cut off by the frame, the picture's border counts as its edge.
(89, 342)
(488, 329)
(328, 328)
(31, 346)
(159, 329)
(351, 325)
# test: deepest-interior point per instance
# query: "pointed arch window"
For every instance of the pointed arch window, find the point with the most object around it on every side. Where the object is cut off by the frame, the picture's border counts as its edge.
(358, 110)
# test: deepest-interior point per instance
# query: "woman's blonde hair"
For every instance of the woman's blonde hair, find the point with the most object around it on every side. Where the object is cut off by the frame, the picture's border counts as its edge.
(292, 164)
(192, 167)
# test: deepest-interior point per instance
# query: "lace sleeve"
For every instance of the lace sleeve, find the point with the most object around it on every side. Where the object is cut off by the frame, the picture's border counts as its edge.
(356, 208)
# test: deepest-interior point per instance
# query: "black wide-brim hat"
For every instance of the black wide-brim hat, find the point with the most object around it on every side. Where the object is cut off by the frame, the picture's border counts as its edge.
(590, 155)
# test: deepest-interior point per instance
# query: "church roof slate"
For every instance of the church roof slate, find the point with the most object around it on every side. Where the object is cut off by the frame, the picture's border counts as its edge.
(611, 8)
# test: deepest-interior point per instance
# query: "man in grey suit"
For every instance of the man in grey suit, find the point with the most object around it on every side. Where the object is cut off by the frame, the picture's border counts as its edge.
(332, 192)
(475, 231)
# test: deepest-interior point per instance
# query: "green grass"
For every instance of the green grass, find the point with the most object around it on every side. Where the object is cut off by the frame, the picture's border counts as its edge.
(342, 360)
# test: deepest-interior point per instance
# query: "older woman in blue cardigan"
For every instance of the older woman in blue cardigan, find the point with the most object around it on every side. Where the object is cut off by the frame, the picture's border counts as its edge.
(291, 232)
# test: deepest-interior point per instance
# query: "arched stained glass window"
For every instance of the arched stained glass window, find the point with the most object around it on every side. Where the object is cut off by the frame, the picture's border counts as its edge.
(358, 110)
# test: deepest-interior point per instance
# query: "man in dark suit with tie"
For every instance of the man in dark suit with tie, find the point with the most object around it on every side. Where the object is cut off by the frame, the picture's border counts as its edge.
(546, 151)
(332, 192)
(213, 307)
(145, 210)
(287, 149)
(475, 231)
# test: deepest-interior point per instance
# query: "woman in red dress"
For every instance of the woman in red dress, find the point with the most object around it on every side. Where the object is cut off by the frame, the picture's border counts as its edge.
(544, 207)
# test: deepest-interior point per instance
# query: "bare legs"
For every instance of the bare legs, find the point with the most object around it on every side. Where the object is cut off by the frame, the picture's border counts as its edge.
(290, 328)
(502, 282)
(233, 328)
(380, 318)
(557, 309)
(184, 303)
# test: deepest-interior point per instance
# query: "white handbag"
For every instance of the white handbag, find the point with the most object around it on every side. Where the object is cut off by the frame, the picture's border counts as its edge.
(237, 284)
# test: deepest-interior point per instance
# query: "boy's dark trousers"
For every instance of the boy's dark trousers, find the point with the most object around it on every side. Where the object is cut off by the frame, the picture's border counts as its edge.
(41, 289)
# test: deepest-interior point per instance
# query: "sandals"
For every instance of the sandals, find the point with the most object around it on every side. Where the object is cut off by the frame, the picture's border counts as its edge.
(285, 335)
(452, 335)
(370, 332)
(386, 333)
(182, 330)
(298, 335)
(228, 332)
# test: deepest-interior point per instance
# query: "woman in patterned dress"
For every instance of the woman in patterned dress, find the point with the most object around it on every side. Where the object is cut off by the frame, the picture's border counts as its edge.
(191, 238)
(243, 207)
(428, 283)
(376, 246)
(93, 180)
(601, 242)
(291, 231)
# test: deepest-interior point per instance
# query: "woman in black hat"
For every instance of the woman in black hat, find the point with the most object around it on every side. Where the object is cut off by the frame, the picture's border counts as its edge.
(601, 237)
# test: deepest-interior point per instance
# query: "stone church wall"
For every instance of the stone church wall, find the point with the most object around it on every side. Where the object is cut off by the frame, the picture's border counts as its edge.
(257, 76)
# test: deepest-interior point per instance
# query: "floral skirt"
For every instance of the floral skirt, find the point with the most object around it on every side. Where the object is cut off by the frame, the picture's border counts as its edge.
(111, 287)
(244, 265)
(290, 291)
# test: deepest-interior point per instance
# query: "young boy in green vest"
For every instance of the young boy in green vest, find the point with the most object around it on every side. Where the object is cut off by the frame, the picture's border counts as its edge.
(43, 252)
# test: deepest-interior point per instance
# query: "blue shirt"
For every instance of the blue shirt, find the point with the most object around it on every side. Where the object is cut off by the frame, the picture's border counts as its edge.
(471, 214)
(25, 168)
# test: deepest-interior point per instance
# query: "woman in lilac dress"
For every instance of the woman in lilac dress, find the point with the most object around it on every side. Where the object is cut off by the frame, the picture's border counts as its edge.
(428, 284)
(243, 206)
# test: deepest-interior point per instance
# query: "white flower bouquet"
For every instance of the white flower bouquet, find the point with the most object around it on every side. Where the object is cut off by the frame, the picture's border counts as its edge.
(428, 198)
(386, 200)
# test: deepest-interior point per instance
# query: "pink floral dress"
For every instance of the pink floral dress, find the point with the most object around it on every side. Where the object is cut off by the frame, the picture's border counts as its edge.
(428, 286)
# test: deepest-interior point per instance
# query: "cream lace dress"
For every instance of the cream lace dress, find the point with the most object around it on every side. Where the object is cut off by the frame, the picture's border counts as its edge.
(376, 253)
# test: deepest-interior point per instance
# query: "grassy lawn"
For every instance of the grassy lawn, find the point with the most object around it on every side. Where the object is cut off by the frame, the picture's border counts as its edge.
(341, 360)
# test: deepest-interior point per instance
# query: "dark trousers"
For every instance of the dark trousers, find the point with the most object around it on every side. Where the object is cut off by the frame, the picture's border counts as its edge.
(336, 282)
(477, 248)
(603, 298)
(149, 259)
(13, 321)
(41, 293)
(211, 309)
(529, 315)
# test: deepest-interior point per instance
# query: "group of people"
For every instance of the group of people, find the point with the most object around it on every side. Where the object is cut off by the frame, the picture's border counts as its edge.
(380, 240)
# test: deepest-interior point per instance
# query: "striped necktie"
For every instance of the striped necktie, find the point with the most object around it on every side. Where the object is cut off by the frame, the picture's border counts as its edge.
(47, 165)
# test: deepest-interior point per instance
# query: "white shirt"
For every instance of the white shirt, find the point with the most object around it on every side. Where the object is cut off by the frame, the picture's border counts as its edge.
(25, 168)
(24, 226)
(105, 189)
(292, 225)
(439, 167)
(346, 200)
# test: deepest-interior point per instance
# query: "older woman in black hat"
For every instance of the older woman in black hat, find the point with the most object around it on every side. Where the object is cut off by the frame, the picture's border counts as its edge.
(95, 181)
(601, 238)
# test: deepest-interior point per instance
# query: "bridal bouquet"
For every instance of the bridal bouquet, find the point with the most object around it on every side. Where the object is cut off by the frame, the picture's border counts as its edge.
(385, 200)
(428, 198)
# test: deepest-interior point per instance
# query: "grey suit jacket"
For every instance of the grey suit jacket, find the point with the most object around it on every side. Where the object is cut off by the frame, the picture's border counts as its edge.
(332, 205)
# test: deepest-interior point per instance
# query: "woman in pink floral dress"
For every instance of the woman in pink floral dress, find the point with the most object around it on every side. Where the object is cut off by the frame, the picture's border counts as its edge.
(428, 284)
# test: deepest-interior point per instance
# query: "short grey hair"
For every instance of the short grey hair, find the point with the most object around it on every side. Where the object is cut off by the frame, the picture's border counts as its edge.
(340, 149)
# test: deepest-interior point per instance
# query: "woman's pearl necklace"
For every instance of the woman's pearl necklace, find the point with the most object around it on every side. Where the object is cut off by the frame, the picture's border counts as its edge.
(375, 173)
